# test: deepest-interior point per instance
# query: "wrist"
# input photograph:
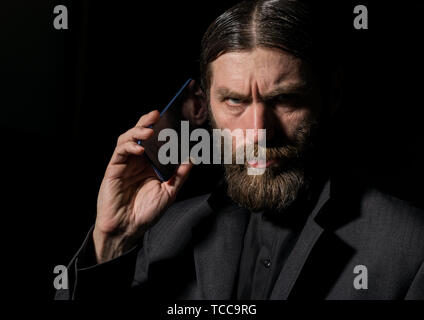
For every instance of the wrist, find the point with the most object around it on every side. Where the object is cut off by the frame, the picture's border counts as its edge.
(108, 247)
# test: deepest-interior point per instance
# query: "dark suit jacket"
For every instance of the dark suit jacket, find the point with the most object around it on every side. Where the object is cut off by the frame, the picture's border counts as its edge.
(193, 252)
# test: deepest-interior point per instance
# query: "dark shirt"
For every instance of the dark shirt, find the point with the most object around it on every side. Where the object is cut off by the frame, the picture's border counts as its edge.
(269, 240)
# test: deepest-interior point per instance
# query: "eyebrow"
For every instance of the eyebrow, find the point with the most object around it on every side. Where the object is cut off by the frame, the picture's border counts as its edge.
(224, 92)
(297, 88)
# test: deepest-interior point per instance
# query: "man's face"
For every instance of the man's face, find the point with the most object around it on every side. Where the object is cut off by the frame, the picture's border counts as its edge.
(273, 90)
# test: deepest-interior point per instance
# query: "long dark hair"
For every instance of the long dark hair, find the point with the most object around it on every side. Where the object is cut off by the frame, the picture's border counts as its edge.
(296, 26)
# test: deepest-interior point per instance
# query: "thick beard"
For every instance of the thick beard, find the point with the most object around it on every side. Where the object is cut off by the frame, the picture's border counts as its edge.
(264, 192)
(269, 191)
(279, 186)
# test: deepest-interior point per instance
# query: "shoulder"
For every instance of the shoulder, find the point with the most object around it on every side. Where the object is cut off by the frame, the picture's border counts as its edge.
(173, 230)
(375, 205)
(380, 222)
(391, 209)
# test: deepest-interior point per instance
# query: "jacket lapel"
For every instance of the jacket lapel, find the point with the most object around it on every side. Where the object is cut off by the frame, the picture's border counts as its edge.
(299, 254)
(217, 256)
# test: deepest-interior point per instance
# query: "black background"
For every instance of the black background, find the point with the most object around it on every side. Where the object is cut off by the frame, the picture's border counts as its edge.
(66, 95)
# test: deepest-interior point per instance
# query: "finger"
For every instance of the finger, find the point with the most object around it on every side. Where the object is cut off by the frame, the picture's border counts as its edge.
(175, 183)
(124, 150)
(148, 119)
(135, 134)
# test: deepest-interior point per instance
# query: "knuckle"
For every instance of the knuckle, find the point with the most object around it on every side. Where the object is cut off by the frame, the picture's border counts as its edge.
(142, 118)
(118, 149)
(120, 139)
(125, 146)
(142, 132)
(139, 128)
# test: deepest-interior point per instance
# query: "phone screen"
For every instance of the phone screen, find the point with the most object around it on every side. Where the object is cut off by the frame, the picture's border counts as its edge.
(170, 117)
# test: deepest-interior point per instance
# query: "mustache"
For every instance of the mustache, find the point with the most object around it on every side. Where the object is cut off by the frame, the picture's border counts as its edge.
(282, 154)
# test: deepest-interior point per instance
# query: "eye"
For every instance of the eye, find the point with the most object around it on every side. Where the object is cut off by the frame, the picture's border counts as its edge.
(283, 98)
(234, 101)
(288, 100)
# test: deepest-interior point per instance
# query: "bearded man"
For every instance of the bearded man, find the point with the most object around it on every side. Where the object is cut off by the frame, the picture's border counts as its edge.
(292, 232)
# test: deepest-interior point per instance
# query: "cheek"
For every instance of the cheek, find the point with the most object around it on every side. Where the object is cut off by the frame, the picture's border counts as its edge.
(293, 120)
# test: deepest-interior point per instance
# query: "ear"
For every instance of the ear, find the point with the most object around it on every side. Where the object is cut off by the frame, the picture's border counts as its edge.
(195, 108)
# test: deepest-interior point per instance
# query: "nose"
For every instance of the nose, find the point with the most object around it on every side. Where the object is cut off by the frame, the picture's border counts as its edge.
(261, 117)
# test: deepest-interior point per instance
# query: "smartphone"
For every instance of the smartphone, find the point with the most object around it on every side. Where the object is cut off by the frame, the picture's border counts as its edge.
(170, 117)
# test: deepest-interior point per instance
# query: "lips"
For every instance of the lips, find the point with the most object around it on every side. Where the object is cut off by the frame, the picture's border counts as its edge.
(261, 163)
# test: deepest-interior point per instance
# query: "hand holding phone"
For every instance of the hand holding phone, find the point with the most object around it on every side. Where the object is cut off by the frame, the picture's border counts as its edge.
(132, 197)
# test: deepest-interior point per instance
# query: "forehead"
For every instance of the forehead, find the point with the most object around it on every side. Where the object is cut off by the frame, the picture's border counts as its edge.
(264, 67)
